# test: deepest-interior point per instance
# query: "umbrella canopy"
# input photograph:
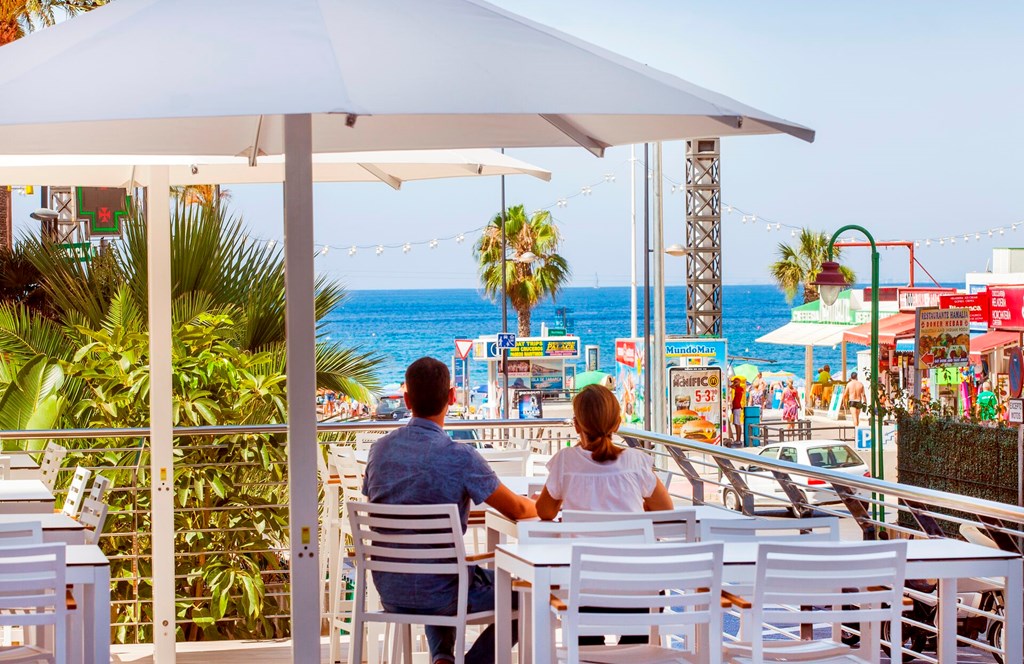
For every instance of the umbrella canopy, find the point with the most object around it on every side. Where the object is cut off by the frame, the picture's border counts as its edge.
(391, 167)
(592, 378)
(747, 371)
(376, 74)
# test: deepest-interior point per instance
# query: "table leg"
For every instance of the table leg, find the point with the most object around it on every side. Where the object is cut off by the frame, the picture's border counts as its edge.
(502, 616)
(1013, 629)
(539, 633)
(494, 538)
(96, 616)
(946, 620)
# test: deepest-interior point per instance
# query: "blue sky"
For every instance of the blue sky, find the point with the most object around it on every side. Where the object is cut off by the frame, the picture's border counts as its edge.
(917, 107)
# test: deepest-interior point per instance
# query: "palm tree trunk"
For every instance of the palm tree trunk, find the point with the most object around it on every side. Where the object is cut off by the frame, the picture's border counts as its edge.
(810, 293)
(524, 322)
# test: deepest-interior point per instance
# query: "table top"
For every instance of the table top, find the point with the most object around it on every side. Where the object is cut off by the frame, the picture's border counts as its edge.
(22, 462)
(24, 490)
(85, 555)
(745, 553)
(49, 520)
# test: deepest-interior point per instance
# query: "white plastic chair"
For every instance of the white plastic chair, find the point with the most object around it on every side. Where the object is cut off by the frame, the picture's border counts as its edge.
(437, 530)
(33, 593)
(53, 456)
(818, 529)
(511, 462)
(831, 583)
(346, 477)
(679, 584)
(669, 525)
(623, 531)
(99, 488)
(76, 492)
(94, 518)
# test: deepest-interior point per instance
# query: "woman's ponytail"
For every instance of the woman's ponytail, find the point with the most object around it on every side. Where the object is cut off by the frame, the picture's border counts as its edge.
(596, 411)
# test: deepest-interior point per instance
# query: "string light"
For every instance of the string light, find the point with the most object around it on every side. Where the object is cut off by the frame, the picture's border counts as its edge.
(460, 238)
(380, 249)
(609, 177)
(271, 243)
(433, 244)
(323, 252)
(406, 248)
(352, 250)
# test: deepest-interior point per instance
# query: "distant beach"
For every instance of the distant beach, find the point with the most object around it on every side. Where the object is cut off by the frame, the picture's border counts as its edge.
(405, 324)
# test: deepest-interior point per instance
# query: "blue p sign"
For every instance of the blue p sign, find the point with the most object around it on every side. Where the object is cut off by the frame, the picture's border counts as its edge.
(506, 340)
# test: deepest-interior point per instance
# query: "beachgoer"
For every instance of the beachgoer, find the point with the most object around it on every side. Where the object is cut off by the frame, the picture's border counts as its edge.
(855, 397)
(737, 408)
(790, 404)
(825, 375)
(598, 476)
(988, 403)
(759, 392)
(419, 464)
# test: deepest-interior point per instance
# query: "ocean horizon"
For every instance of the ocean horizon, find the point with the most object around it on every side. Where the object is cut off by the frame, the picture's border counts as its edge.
(403, 325)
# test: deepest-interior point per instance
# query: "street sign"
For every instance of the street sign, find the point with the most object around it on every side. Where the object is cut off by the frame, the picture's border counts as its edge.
(463, 347)
(1015, 411)
(1016, 372)
(506, 340)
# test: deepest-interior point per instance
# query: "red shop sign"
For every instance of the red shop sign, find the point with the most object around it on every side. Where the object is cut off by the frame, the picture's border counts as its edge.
(625, 352)
(978, 303)
(1006, 307)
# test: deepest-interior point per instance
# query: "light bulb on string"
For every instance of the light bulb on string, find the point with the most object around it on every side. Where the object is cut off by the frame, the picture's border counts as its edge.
(966, 237)
(270, 244)
(433, 244)
(952, 240)
(1002, 231)
(927, 243)
(323, 252)
(380, 249)
(585, 191)
(768, 227)
(753, 218)
(977, 236)
(352, 250)
(942, 242)
(990, 233)
(460, 238)
(728, 209)
(406, 248)
(792, 233)
(672, 189)
(562, 203)
(917, 245)
(609, 177)
(778, 227)
(1013, 227)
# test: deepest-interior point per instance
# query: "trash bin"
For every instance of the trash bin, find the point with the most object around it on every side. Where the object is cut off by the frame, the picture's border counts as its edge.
(751, 425)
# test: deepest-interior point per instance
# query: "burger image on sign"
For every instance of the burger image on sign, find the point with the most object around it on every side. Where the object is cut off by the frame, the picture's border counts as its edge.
(681, 417)
(700, 430)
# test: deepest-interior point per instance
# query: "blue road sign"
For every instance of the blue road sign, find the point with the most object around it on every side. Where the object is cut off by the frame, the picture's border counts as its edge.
(506, 340)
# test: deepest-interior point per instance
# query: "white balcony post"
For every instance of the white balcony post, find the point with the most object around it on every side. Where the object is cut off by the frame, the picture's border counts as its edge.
(300, 322)
(161, 440)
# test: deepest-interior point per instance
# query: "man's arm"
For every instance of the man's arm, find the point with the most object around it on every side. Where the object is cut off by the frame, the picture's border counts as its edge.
(512, 506)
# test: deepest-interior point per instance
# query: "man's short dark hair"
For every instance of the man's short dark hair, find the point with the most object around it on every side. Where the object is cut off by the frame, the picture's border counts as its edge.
(853, 376)
(427, 385)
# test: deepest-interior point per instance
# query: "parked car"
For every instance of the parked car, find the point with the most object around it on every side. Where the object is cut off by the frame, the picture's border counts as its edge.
(828, 454)
(391, 407)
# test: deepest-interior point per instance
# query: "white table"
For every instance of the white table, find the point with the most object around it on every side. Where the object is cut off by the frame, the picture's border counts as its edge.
(58, 528)
(89, 570)
(23, 467)
(499, 527)
(546, 565)
(25, 497)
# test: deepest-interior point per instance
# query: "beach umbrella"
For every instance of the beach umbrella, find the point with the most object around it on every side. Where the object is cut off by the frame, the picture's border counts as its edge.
(256, 77)
(392, 167)
(746, 370)
(591, 378)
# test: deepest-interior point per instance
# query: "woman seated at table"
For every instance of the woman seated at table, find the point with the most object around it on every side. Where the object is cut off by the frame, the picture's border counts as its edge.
(597, 475)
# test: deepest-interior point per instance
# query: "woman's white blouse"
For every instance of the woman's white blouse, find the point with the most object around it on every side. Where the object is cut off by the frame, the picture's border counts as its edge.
(613, 486)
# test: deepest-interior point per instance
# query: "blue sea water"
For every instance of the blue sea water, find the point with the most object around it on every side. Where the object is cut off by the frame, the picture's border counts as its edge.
(402, 325)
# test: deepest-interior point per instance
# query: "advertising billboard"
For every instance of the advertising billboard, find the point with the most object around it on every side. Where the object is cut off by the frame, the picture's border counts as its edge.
(943, 338)
(695, 397)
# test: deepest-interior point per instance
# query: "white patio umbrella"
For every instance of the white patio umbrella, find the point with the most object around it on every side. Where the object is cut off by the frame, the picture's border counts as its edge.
(390, 167)
(264, 76)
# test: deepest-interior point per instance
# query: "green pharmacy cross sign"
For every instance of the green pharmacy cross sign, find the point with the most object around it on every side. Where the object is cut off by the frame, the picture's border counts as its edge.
(78, 251)
(105, 208)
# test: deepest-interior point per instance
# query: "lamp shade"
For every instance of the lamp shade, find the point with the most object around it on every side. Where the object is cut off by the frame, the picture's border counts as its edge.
(830, 281)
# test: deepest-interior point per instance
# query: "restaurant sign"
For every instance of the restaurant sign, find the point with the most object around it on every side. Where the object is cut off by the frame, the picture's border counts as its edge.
(560, 347)
(1006, 307)
(943, 337)
(977, 303)
(915, 298)
(696, 352)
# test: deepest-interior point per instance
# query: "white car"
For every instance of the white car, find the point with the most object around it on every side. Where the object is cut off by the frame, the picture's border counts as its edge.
(828, 454)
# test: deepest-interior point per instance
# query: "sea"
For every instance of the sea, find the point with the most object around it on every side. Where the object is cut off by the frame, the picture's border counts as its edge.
(403, 325)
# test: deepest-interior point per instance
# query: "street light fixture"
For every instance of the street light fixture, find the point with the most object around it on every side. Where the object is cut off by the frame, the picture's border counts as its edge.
(676, 250)
(526, 257)
(830, 281)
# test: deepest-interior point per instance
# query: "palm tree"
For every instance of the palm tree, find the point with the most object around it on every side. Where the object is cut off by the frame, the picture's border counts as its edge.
(18, 17)
(534, 270)
(799, 265)
(201, 194)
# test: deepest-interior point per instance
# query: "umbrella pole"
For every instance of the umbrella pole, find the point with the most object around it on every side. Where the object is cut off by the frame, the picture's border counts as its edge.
(300, 342)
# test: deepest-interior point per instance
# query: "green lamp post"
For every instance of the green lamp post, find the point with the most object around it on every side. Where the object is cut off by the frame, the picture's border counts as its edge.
(830, 281)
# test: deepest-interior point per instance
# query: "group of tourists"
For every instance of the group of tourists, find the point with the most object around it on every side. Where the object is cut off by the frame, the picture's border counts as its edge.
(419, 464)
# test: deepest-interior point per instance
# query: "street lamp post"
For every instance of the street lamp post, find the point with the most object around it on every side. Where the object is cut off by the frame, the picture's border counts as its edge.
(829, 282)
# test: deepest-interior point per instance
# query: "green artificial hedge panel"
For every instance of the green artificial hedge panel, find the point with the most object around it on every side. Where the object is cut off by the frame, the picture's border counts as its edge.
(958, 457)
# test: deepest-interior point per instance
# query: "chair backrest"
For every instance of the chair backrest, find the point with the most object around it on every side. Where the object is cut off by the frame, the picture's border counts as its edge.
(818, 529)
(94, 518)
(679, 584)
(510, 462)
(408, 539)
(76, 492)
(669, 525)
(100, 486)
(32, 588)
(366, 439)
(53, 456)
(620, 532)
(848, 582)
(5, 467)
(17, 534)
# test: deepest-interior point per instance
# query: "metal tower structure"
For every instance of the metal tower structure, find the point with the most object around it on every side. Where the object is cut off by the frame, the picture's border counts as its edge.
(65, 229)
(703, 238)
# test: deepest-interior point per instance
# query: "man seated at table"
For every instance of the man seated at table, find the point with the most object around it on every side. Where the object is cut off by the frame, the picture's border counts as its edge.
(420, 464)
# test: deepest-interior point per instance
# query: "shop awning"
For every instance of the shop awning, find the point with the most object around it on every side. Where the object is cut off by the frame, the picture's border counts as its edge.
(890, 330)
(806, 334)
(984, 343)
